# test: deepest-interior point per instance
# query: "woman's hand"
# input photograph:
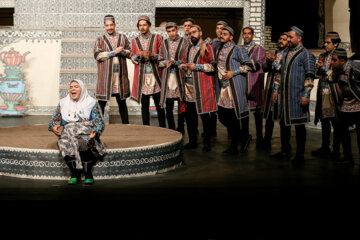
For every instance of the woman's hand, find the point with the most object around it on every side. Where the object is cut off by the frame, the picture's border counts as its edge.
(56, 130)
(92, 135)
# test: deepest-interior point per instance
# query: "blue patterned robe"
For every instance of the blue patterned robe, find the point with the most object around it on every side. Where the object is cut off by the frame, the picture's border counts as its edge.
(236, 58)
(297, 80)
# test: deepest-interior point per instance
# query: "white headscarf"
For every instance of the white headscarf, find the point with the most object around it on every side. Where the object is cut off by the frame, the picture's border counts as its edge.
(72, 111)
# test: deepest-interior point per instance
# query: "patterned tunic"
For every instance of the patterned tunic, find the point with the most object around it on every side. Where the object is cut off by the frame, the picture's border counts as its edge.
(232, 93)
(200, 83)
(112, 69)
(255, 89)
(75, 136)
(351, 96)
(172, 85)
(146, 73)
(297, 81)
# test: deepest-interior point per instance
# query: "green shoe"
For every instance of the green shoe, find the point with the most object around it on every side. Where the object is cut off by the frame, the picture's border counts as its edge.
(89, 181)
(72, 181)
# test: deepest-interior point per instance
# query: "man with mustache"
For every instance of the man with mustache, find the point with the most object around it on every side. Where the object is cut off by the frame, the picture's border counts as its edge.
(297, 81)
(145, 54)
(327, 100)
(111, 51)
(199, 88)
(187, 23)
(233, 63)
(172, 88)
(346, 78)
(255, 89)
(272, 66)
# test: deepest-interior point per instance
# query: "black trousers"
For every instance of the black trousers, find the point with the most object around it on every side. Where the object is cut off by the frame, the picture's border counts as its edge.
(285, 133)
(258, 115)
(326, 132)
(238, 130)
(170, 111)
(145, 112)
(347, 120)
(269, 128)
(227, 117)
(191, 117)
(88, 160)
(123, 110)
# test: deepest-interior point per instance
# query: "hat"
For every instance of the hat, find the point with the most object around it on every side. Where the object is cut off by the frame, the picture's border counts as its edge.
(222, 23)
(170, 24)
(297, 30)
(333, 35)
(229, 29)
(197, 26)
(340, 52)
(145, 18)
(189, 19)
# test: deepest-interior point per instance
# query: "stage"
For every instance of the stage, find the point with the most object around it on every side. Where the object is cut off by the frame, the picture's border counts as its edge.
(132, 150)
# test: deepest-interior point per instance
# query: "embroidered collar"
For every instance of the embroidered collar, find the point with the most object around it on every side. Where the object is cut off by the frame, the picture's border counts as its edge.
(175, 40)
(346, 69)
(296, 49)
(228, 45)
(147, 38)
(111, 35)
(251, 44)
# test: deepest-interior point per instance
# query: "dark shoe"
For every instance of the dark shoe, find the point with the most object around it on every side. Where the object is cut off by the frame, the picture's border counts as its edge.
(334, 155)
(346, 161)
(206, 148)
(231, 151)
(180, 130)
(321, 152)
(267, 145)
(298, 161)
(260, 143)
(245, 144)
(190, 145)
(281, 155)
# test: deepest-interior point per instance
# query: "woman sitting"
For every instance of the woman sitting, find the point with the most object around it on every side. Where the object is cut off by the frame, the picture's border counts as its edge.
(79, 141)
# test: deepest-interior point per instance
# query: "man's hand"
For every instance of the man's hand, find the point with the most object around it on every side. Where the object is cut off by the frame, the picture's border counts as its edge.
(270, 58)
(184, 66)
(169, 63)
(228, 75)
(119, 49)
(304, 101)
(56, 130)
(275, 97)
(140, 54)
(92, 135)
(320, 64)
(191, 66)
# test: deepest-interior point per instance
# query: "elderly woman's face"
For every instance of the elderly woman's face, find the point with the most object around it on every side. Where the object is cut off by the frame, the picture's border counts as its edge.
(75, 91)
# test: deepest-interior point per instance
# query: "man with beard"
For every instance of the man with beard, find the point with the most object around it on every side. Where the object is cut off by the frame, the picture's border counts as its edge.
(111, 51)
(172, 88)
(199, 88)
(233, 63)
(145, 54)
(297, 81)
(255, 88)
(326, 100)
(347, 77)
(272, 66)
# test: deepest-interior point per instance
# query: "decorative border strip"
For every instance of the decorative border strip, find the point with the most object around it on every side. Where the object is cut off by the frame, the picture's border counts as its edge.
(7, 3)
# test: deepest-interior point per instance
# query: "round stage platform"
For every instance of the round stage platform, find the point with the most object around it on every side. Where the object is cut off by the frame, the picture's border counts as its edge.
(132, 150)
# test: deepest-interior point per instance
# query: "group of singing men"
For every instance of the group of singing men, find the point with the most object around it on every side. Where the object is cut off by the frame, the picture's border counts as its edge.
(218, 79)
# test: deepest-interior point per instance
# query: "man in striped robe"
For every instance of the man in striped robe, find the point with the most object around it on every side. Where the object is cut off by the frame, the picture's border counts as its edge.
(272, 66)
(110, 52)
(233, 63)
(326, 101)
(199, 88)
(346, 76)
(297, 81)
(172, 88)
(145, 54)
(255, 88)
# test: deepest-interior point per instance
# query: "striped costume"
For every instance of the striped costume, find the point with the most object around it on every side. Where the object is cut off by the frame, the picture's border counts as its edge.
(172, 77)
(297, 81)
(255, 88)
(234, 58)
(143, 67)
(273, 70)
(203, 93)
(112, 70)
